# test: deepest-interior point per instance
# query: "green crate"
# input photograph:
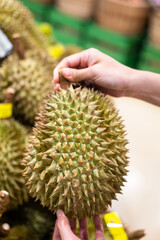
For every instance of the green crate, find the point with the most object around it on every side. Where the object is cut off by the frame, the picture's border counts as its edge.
(150, 52)
(124, 49)
(38, 9)
(68, 30)
(150, 59)
(146, 67)
(66, 38)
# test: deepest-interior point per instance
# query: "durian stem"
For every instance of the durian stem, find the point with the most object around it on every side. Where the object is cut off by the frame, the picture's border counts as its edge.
(4, 230)
(136, 235)
(65, 84)
(18, 45)
(4, 200)
(9, 95)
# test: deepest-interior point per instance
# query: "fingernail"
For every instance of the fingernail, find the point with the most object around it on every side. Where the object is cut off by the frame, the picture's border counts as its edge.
(57, 87)
(60, 213)
(67, 72)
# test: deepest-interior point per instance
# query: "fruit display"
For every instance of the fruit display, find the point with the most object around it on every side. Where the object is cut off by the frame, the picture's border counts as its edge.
(15, 18)
(44, 1)
(65, 149)
(126, 17)
(76, 8)
(31, 78)
(12, 143)
(154, 34)
(77, 153)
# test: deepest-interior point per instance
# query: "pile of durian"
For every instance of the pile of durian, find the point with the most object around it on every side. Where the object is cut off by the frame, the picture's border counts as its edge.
(15, 18)
(31, 78)
(70, 145)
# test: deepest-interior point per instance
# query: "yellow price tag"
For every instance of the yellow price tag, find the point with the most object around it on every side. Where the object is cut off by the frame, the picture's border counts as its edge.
(115, 226)
(6, 110)
(56, 51)
(46, 28)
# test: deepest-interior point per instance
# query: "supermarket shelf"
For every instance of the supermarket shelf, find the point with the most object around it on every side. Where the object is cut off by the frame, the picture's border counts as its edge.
(150, 59)
(86, 34)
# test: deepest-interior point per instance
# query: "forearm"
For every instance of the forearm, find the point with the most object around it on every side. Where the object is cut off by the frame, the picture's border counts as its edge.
(145, 85)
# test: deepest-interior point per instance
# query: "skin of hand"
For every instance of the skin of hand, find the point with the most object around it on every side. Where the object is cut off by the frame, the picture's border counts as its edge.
(65, 229)
(109, 76)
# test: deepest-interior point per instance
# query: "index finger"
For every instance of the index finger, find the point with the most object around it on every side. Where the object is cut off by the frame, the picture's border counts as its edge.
(77, 60)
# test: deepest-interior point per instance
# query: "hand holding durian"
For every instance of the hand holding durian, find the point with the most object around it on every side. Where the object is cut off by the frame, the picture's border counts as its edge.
(109, 76)
(76, 158)
(65, 229)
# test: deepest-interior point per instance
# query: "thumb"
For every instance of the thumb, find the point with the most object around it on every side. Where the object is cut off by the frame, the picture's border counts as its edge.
(78, 75)
(64, 227)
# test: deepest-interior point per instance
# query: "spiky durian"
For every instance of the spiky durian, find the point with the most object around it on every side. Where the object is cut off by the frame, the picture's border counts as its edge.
(15, 18)
(3, 84)
(32, 81)
(12, 144)
(76, 157)
(44, 59)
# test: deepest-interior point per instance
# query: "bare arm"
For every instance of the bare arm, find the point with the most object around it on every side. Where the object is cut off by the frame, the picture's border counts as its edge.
(146, 86)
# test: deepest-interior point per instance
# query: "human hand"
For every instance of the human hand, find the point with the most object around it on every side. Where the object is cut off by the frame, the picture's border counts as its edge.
(65, 229)
(94, 67)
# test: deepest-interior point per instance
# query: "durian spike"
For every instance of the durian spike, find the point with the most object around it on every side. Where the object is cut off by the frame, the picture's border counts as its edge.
(9, 95)
(18, 45)
(4, 200)
(65, 84)
(4, 230)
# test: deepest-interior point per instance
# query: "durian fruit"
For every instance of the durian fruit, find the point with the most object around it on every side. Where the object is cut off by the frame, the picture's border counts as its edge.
(12, 144)
(76, 158)
(3, 84)
(44, 58)
(31, 79)
(15, 18)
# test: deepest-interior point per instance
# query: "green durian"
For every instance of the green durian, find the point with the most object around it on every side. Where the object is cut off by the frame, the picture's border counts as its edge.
(12, 144)
(76, 158)
(31, 79)
(43, 58)
(15, 18)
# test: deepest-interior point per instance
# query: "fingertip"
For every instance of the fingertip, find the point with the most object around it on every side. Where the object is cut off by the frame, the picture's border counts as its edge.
(60, 213)
(57, 87)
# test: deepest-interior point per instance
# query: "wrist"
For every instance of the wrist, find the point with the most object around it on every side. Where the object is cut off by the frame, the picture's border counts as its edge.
(130, 82)
(143, 85)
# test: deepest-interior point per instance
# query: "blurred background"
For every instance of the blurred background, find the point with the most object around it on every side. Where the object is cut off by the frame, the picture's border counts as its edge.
(129, 31)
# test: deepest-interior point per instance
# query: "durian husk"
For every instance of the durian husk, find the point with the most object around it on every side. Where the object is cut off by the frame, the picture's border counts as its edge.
(13, 138)
(76, 158)
(31, 78)
(15, 18)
